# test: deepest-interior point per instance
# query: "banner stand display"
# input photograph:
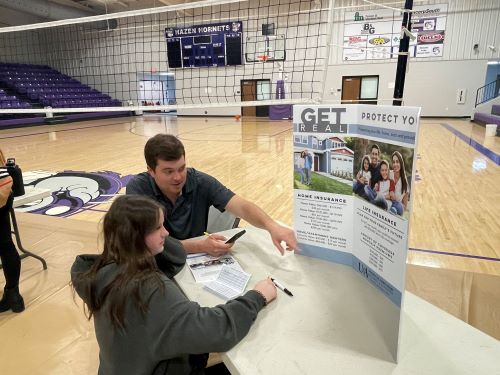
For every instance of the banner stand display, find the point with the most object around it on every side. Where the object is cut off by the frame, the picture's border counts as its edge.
(354, 173)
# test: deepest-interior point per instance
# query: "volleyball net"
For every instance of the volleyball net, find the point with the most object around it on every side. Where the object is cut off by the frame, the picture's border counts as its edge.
(205, 53)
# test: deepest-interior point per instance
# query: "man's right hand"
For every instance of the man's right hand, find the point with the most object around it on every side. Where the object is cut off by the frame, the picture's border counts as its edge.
(213, 245)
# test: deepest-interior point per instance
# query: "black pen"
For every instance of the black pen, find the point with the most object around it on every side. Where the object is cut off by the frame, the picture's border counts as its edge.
(279, 286)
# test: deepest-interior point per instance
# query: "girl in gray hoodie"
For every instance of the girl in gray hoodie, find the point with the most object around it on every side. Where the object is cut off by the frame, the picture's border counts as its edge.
(143, 322)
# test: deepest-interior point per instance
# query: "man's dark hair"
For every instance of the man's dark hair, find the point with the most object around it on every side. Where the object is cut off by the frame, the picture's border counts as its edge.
(164, 147)
(375, 146)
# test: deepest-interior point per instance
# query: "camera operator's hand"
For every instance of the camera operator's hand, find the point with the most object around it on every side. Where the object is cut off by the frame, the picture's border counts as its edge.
(17, 177)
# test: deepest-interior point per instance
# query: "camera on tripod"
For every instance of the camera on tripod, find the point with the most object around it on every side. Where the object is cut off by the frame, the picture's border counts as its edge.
(17, 177)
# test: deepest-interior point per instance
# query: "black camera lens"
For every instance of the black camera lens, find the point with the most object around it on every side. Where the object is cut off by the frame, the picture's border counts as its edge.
(17, 177)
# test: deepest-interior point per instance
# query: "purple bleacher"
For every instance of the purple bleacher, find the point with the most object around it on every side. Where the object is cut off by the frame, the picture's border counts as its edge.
(486, 118)
(45, 86)
(489, 118)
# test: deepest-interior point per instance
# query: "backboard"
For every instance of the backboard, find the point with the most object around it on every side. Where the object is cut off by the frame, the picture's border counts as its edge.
(265, 48)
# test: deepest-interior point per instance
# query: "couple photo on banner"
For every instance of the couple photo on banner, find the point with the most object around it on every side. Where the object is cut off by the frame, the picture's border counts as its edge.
(305, 167)
(382, 178)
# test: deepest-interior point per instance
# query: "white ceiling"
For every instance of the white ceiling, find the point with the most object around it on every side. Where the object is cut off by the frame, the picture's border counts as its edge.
(12, 17)
(121, 5)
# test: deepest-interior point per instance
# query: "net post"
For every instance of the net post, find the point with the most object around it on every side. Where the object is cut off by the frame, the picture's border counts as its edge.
(402, 56)
(328, 48)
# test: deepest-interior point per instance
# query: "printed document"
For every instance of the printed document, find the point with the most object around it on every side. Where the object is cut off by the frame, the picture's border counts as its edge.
(206, 268)
(230, 282)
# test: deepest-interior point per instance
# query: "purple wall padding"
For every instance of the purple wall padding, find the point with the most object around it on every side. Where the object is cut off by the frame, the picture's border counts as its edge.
(280, 112)
(85, 115)
(283, 111)
(28, 121)
(15, 122)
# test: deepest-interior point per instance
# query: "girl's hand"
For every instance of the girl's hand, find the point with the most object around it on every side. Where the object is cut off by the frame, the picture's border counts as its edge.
(267, 288)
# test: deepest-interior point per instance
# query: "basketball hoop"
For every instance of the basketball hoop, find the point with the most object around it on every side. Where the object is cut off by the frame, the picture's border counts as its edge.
(263, 58)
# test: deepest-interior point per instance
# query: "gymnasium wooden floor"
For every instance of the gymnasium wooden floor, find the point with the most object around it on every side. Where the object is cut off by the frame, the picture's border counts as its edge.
(454, 236)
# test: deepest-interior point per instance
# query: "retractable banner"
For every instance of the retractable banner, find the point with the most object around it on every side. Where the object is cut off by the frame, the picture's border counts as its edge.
(354, 174)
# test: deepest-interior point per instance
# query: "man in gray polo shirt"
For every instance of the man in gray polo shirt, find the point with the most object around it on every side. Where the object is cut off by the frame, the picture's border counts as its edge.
(187, 194)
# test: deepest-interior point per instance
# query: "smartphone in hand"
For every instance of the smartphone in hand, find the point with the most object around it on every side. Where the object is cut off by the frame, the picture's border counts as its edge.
(236, 236)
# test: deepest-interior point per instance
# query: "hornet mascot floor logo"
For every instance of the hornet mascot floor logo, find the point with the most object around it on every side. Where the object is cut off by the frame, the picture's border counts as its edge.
(72, 191)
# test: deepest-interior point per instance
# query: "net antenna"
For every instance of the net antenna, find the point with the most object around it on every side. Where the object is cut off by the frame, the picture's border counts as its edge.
(188, 55)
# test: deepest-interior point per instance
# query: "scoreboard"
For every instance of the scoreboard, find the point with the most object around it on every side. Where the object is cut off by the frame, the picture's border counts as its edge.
(217, 44)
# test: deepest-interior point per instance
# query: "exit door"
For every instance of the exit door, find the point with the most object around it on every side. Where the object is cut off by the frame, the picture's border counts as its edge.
(351, 87)
(151, 92)
(248, 94)
(361, 89)
(254, 90)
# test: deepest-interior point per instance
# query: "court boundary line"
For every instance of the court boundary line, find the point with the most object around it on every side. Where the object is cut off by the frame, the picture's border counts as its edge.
(58, 130)
(454, 254)
(492, 155)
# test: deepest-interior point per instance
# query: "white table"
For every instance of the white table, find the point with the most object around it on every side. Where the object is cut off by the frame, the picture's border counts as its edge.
(31, 195)
(337, 323)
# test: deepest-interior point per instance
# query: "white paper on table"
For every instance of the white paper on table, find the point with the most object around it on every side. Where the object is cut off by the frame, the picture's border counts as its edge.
(230, 283)
(206, 268)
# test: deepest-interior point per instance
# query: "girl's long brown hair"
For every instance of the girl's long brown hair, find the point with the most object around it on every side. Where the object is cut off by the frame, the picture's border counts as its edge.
(402, 172)
(129, 219)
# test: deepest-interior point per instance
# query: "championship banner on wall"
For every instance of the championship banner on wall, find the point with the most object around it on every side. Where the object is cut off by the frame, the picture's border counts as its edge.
(375, 34)
(353, 187)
